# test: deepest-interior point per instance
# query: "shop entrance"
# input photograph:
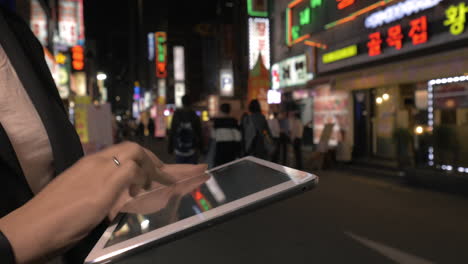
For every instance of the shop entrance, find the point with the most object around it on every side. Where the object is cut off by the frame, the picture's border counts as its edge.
(362, 127)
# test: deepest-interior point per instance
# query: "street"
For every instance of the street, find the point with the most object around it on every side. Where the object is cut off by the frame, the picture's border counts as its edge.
(348, 218)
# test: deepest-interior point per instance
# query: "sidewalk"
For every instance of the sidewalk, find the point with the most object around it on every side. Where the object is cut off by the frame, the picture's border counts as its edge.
(414, 177)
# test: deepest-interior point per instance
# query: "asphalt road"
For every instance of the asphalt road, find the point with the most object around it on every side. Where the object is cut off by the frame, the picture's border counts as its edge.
(348, 218)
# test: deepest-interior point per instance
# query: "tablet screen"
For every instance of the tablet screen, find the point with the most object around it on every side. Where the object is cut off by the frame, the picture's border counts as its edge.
(227, 184)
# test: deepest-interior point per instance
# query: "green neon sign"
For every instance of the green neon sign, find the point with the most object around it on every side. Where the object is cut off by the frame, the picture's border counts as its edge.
(295, 32)
(253, 12)
(315, 3)
(161, 49)
(455, 20)
(341, 54)
(304, 17)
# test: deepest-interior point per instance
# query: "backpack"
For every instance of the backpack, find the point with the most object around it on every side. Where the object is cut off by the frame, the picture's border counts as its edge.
(250, 131)
(257, 142)
(185, 139)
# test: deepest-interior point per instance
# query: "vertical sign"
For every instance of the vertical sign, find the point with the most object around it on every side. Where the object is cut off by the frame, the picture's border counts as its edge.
(38, 22)
(81, 117)
(161, 54)
(151, 46)
(63, 74)
(259, 41)
(179, 75)
(179, 92)
(226, 82)
(69, 22)
(160, 120)
(77, 58)
(179, 63)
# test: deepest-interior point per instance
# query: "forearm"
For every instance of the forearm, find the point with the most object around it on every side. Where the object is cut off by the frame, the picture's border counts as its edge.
(36, 231)
(48, 223)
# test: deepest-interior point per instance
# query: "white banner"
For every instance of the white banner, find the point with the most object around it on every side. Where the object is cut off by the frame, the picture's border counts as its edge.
(259, 41)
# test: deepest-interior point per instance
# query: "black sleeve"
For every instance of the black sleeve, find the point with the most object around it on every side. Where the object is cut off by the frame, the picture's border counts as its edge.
(6, 252)
(266, 127)
(174, 123)
(198, 131)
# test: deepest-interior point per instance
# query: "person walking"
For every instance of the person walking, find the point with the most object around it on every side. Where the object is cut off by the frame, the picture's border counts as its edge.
(256, 132)
(185, 137)
(284, 137)
(296, 132)
(274, 126)
(226, 137)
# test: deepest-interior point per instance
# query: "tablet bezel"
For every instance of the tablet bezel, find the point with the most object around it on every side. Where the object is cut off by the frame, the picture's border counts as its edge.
(299, 179)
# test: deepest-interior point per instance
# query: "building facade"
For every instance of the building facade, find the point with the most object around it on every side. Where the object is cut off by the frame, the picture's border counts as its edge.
(390, 76)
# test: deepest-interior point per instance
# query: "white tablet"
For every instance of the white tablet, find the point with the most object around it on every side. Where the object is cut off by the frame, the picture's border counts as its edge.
(198, 202)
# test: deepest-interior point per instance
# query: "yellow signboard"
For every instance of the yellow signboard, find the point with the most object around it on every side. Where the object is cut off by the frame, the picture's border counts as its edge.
(81, 117)
(341, 54)
(81, 123)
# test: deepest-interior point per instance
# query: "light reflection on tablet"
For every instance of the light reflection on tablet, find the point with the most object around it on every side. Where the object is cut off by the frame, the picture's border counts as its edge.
(196, 196)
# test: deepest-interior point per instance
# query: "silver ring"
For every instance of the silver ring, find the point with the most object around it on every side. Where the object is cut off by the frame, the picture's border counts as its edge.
(116, 161)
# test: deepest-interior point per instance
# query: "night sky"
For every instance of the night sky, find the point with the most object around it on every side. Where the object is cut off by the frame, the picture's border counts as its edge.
(108, 22)
(108, 25)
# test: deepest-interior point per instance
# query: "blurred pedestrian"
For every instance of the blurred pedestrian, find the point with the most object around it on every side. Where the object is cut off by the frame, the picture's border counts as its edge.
(241, 125)
(284, 137)
(257, 133)
(185, 135)
(226, 137)
(274, 126)
(296, 132)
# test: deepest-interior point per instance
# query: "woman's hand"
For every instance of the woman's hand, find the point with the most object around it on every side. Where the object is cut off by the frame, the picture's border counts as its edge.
(67, 209)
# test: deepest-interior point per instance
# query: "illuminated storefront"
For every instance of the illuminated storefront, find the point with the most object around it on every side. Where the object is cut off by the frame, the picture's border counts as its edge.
(383, 54)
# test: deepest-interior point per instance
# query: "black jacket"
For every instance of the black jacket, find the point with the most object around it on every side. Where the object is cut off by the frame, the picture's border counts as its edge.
(27, 57)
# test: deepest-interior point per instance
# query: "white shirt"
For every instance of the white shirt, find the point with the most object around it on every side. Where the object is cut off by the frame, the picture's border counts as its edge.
(24, 128)
(274, 127)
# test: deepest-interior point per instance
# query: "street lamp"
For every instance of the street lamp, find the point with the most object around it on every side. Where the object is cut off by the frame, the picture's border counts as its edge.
(101, 76)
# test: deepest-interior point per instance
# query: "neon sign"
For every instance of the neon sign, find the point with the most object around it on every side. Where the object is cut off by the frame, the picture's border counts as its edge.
(315, 3)
(78, 58)
(161, 54)
(456, 17)
(344, 3)
(395, 37)
(305, 16)
(341, 54)
(398, 11)
(418, 31)
(257, 8)
(293, 32)
(358, 13)
(374, 44)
